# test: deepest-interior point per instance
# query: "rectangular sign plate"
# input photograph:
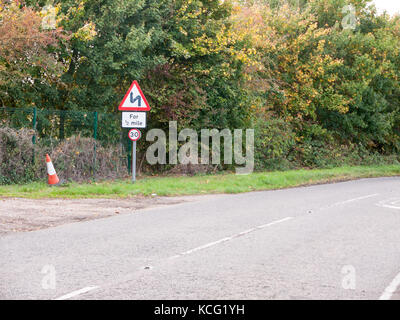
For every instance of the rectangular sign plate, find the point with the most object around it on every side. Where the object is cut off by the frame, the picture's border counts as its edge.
(133, 120)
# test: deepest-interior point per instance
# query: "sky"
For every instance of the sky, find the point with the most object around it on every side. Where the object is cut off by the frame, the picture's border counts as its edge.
(391, 6)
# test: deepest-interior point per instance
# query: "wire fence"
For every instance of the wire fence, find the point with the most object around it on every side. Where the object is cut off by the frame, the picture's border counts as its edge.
(52, 127)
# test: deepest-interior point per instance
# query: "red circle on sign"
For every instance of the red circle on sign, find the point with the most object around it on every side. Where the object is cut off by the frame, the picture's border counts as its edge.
(134, 134)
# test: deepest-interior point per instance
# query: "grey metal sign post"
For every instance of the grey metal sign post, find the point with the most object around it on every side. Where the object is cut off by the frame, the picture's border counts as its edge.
(134, 135)
(133, 161)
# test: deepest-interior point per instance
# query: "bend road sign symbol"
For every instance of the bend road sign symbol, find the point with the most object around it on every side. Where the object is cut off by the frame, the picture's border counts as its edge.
(134, 134)
(134, 99)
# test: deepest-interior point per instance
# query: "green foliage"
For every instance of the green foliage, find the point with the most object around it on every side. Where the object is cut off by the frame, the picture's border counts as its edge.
(317, 94)
(274, 144)
(124, 44)
(17, 162)
(28, 58)
(183, 53)
(75, 158)
(368, 78)
(334, 86)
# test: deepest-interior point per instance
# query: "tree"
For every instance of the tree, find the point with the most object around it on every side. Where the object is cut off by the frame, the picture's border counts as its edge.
(328, 82)
(27, 54)
(183, 52)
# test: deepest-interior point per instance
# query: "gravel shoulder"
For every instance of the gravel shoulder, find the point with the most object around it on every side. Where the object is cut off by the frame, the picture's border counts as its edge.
(22, 215)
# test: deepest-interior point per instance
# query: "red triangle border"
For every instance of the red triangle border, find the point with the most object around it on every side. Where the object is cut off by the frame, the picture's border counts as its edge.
(133, 108)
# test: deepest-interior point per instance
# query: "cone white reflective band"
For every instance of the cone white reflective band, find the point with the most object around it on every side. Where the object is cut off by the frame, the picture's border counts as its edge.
(50, 168)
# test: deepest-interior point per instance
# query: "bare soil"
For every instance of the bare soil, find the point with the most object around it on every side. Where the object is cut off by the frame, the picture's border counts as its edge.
(19, 215)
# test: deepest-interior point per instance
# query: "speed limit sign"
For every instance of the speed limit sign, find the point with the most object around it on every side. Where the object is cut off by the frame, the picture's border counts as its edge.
(134, 134)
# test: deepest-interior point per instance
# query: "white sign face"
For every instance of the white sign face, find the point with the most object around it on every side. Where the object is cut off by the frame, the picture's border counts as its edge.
(133, 120)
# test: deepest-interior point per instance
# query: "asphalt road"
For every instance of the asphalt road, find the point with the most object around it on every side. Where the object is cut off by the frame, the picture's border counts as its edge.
(336, 241)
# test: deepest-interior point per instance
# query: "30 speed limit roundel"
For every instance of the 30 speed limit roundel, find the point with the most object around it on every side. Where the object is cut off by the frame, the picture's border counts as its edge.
(134, 134)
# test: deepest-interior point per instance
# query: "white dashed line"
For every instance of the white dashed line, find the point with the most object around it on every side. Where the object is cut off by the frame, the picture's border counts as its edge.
(87, 289)
(352, 200)
(390, 203)
(76, 293)
(211, 244)
(388, 293)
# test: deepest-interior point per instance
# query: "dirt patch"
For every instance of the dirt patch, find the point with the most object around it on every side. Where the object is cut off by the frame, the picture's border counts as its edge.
(19, 215)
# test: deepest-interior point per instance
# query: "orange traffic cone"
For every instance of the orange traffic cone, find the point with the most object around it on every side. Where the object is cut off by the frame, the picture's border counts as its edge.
(51, 172)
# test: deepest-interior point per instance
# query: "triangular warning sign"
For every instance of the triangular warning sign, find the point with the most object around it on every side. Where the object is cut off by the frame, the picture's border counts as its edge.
(134, 100)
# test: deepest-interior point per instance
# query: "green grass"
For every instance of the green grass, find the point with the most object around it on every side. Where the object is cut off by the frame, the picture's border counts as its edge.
(204, 184)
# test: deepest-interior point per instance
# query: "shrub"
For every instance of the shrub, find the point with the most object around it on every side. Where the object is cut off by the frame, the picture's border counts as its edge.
(274, 142)
(75, 159)
(18, 163)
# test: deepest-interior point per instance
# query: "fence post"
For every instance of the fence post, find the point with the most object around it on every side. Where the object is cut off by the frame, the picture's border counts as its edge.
(34, 122)
(62, 125)
(95, 123)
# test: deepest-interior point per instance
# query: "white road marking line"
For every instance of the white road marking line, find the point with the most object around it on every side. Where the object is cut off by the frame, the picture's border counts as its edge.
(127, 277)
(388, 293)
(76, 293)
(352, 200)
(211, 244)
(87, 289)
(392, 203)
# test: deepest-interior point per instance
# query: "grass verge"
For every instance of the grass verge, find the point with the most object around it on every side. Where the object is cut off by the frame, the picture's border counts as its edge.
(204, 184)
